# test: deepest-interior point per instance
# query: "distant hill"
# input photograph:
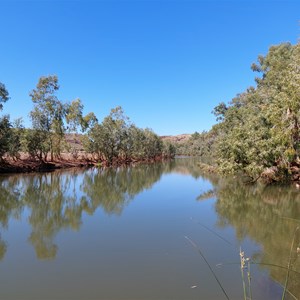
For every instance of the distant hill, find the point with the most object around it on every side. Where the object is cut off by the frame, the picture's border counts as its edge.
(181, 138)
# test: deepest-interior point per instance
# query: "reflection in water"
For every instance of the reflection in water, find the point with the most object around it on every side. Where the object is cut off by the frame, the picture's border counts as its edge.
(10, 206)
(58, 200)
(112, 189)
(270, 217)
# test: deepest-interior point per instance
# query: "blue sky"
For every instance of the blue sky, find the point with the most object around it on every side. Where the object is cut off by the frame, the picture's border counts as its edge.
(167, 63)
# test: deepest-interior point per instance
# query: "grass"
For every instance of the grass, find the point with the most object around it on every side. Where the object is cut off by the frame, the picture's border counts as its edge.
(209, 266)
(245, 265)
(290, 264)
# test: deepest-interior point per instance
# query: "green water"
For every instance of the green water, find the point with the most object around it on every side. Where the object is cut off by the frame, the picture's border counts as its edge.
(139, 232)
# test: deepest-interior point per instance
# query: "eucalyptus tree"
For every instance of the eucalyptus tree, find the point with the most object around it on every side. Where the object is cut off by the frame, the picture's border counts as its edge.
(16, 139)
(74, 115)
(259, 128)
(169, 150)
(280, 86)
(108, 138)
(116, 139)
(48, 114)
(35, 142)
(10, 132)
(199, 144)
(76, 121)
(137, 149)
(243, 142)
(153, 145)
(5, 124)
(4, 96)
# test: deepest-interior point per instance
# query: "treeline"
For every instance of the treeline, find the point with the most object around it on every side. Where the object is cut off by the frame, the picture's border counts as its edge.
(117, 139)
(113, 141)
(258, 131)
(199, 144)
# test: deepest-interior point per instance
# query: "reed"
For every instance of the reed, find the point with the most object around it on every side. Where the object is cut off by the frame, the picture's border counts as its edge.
(290, 263)
(245, 265)
(209, 266)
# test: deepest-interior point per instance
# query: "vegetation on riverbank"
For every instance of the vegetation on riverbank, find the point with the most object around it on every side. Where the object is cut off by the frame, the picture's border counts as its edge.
(114, 141)
(258, 131)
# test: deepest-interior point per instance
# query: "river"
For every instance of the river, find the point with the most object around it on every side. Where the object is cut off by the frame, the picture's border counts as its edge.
(153, 231)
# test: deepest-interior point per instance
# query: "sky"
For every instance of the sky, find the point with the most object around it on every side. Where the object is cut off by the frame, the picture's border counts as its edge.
(167, 63)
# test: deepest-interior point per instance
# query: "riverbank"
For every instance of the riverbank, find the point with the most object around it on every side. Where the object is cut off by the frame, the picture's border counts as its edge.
(272, 175)
(30, 165)
(26, 164)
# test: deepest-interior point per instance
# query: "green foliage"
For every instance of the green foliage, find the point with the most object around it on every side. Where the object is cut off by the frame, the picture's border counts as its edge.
(117, 139)
(259, 128)
(219, 111)
(35, 143)
(51, 119)
(74, 115)
(5, 124)
(75, 118)
(5, 131)
(10, 134)
(114, 140)
(15, 140)
(49, 113)
(199, 144)
(76, 121)
(4, 96)
(169, 150)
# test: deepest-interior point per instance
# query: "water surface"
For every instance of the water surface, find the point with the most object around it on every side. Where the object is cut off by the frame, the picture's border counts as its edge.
(140, 233)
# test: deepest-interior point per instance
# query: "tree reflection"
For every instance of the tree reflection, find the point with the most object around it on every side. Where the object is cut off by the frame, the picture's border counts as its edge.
(3, 248)
(52, 207)
(10, 205)
(57, 200)
(113, 189)
(269, 216)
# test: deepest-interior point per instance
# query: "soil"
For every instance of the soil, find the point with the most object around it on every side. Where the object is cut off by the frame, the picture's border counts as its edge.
(25, 164)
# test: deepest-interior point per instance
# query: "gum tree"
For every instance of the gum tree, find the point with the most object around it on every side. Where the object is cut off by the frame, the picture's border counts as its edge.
(48, 115)
(5, 124)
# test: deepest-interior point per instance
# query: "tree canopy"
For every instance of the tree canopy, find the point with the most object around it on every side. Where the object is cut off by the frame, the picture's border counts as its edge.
(114, 140)
(258, 130)
(3, 95)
